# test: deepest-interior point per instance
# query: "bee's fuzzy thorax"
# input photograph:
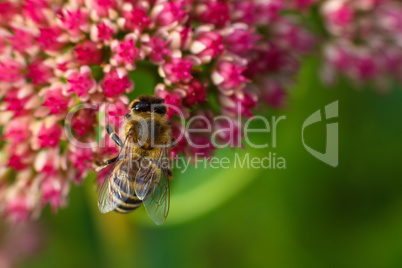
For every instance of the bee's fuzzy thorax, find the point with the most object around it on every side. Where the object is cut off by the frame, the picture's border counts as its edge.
(150, 128)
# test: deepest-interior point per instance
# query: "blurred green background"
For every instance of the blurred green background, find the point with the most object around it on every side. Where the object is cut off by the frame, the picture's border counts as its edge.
(308, 215)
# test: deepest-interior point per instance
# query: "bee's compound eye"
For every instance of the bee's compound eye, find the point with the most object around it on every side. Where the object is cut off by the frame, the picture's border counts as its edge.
(128, 116)
(141, 107)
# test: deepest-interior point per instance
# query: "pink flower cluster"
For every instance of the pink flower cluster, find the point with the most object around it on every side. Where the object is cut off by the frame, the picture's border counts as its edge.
(366, 43)
(55, 55)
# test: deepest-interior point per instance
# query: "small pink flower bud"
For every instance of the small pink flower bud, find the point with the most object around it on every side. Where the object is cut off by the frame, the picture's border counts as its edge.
(338, 13)
(39, 73)
(177, 70)
(103, 32)
(35, 10)
(11, 70)
(102, 7)
(88, 53)
(48, 39)
(136, 19)
(214, 12)
(47, 162)
(207, 45)
(81, 158)
(240, 103)
(168, 12)
(52, 192)
(17, 162)
(114, 85)
(228, 76)
(125, 52)
(15, 102)
(241, 40)
(180, 37)
(55, 101)
(22, 41)
(83, 122)
(7, 11)
(49, 136)
(75, 21)
(81, 83)
(16, 130)
(253, 13)
(157, 49)
(116, 112)
(294, 37)
(195, 93)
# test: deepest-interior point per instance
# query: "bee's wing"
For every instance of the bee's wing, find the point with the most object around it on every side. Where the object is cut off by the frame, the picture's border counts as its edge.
(145, 178)
(118, 185)
(152, 187)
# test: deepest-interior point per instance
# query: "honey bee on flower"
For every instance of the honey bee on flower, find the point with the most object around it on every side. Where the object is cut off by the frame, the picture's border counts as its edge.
(56, 56)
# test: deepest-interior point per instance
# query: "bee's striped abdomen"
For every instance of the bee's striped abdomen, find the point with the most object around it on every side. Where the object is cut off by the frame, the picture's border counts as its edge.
(126, 202)
(129, 205)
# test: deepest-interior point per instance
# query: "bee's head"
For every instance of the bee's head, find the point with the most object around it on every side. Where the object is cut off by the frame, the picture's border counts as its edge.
(147, 103)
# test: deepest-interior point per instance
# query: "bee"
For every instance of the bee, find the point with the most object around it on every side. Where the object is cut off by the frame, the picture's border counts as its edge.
(140, 173)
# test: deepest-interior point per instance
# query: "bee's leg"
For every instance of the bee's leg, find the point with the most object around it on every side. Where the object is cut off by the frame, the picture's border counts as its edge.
(113, 135)
(110, 161)
(168, 171)
(172, 143)
(100, 164)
